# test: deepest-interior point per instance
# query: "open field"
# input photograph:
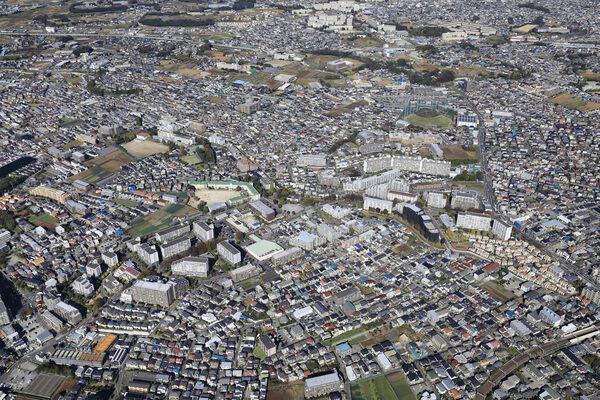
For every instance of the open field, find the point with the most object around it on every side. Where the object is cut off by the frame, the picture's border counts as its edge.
(574, 103)
(103, 166)
(45, 220)
(373, 389)
(189, 70)
(160, 219)
(144, 148)
(343, 109)
(439, 121)
(286, 391)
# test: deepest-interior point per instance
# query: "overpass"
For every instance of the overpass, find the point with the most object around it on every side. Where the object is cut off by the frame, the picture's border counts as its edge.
(538, 351)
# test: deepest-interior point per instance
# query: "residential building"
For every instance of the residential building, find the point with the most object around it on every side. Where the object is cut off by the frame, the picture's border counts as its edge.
(175, 247)
(229, 252)
(204, 231)
(478, 222)
(191, 266)
(155, 293)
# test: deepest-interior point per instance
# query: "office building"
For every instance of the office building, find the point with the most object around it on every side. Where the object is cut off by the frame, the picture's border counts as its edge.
(229, 252)
(172, 233)
(52, 321)
(155, 293)
(322, 385)
(175, 247)
(477, 222)
(501, 229)
(204, 231)
(191, 266)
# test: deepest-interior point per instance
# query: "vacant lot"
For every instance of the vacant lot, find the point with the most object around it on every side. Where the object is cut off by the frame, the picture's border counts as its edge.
(144, 148)
(574, 103)
(286, 391)
(453, 152)
(161, 219)
(498, 291)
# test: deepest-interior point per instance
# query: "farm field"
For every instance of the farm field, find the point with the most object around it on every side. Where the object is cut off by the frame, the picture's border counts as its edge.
(401, 387)
(104, 166)
(373, 389)
(160, 219)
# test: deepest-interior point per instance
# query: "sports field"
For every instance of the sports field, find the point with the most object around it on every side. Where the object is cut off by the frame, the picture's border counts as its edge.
(438, 121)
(161, 219)
(144, 148)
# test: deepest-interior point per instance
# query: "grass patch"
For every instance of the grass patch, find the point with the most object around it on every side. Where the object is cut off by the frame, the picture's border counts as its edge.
(125, 203)
(402, 250)
(353, 332)
(574, 103)
(513, 351)
(258, 353)
(72, 144)
(454, 152)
